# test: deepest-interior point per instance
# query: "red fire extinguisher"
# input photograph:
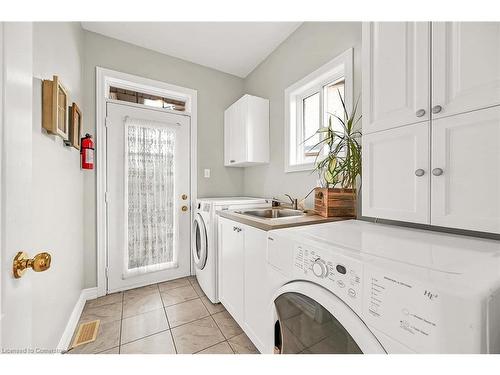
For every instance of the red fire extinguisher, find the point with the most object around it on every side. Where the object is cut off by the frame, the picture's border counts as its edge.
(87, 152)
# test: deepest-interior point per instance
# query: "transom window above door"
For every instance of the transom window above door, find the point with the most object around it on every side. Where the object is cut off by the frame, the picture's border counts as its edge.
(310, 104)
(150, 100)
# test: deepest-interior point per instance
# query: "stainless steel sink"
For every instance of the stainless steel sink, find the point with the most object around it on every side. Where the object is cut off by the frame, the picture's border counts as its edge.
(273, 213)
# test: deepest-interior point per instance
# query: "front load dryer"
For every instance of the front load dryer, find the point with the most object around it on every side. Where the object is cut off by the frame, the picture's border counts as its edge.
(359, 287)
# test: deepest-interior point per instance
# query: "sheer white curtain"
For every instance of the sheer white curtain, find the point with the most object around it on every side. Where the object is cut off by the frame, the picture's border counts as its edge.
(149, 197)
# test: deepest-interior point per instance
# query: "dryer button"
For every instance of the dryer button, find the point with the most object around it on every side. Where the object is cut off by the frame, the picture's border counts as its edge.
(352, 293)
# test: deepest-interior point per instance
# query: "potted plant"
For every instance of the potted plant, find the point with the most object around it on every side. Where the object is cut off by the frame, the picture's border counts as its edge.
(341, 166)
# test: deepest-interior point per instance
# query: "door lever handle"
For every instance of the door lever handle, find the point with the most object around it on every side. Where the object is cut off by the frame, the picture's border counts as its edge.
(39, 263)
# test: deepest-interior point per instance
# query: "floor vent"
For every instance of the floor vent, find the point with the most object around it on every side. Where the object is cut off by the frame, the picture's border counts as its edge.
(87, 332)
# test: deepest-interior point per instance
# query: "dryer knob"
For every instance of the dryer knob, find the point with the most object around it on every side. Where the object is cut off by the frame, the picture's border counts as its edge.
(319, 268)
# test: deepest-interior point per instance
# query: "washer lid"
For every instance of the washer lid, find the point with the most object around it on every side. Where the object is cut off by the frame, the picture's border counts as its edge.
(437, 251)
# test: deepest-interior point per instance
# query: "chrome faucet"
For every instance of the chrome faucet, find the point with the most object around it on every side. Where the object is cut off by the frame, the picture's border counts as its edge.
(295, 202)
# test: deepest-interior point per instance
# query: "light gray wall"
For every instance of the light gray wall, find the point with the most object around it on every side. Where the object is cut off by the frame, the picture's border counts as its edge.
(308, 48)
(57, 186)
(216, 91)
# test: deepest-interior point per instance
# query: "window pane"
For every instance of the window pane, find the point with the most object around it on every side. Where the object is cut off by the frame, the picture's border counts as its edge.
(333, 104)
(311, 124)
(150, 181)
(149, 100)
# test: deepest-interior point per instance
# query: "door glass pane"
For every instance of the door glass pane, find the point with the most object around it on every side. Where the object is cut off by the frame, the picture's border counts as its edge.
(311, 124)
(308, 328)
(150, 167)
(333, 105)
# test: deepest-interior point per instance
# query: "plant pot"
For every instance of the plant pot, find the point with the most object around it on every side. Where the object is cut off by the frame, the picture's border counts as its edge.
(332, 202)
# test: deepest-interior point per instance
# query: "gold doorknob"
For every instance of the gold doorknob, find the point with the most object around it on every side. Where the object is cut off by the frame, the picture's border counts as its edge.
(184, 197)
(40, 263)
(184, 208)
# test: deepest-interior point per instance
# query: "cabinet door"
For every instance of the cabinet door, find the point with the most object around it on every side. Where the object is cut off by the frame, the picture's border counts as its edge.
(235, 147)
(396, 174)
(396, 79)
(231, 270)
(465, 66)
(227, 136)
(239, 131)
(467, 149)
(257, 291)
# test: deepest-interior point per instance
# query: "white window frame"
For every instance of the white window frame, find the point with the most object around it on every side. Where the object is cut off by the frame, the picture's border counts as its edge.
(339, 68)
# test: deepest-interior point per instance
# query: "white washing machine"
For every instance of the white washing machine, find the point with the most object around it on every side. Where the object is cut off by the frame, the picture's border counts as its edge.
(204, 238)
(359, 287)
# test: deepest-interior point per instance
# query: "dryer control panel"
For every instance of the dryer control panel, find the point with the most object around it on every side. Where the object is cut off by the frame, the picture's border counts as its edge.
(335, 272)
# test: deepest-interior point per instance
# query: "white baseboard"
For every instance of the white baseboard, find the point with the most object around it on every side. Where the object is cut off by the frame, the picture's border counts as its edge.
(86, 294)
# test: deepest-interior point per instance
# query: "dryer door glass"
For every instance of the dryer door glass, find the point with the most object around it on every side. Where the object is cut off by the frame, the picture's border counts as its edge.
(306, 327)
(199, 245)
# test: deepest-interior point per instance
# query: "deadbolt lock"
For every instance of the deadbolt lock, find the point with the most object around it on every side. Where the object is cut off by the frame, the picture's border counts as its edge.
(40, 263)
(184, 197)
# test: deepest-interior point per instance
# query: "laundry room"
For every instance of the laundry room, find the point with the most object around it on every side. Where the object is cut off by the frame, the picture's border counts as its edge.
(325, 183)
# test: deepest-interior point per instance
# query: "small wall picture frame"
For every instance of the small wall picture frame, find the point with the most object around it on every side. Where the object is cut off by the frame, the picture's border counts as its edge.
(75, 126)
(55, 107)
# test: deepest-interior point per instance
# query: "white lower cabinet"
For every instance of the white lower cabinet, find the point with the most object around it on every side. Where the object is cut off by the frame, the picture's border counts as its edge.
(231, 263)
(465, 180)
(257, 298)
(396, 174)
(242, 278)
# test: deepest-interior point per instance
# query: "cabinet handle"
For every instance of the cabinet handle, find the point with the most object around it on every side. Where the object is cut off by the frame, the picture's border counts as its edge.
(232, 161)
(236, 229)
(419, 172)
(420, 112)
(437, 109)
(437, 171)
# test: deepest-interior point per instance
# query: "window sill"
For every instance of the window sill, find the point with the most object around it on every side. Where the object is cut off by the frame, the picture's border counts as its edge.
(308, 167)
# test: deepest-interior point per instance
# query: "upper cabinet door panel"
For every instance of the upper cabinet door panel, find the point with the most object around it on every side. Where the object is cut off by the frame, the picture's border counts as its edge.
(465, 66)
(396, 174)
(396, 78)
(466, 187)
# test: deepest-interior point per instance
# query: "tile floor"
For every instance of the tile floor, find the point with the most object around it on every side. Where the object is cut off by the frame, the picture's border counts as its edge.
(166, 318)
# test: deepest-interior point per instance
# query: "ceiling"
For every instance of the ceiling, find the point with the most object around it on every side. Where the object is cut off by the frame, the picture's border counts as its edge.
(232, 47)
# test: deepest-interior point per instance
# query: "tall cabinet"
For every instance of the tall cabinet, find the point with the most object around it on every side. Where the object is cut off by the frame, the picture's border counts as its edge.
(431, 123)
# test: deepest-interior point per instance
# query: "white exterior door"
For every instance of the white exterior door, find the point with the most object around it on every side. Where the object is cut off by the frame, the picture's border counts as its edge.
(396, 174)
(16, 76)
(231, 270)
(396, 79)
(466, 171)
(465, 66)
(147, 174)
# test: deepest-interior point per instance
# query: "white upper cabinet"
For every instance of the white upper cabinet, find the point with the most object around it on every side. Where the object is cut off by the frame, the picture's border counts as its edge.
(396, 174)
(465, 66)
(466, 171)
(246, 132)
(396, 78)
(444, 171)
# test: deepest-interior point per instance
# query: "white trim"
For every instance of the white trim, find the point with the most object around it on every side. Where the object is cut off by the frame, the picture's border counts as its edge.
(340, 66)
(85, 295)
(105, 77)
(2, 65)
